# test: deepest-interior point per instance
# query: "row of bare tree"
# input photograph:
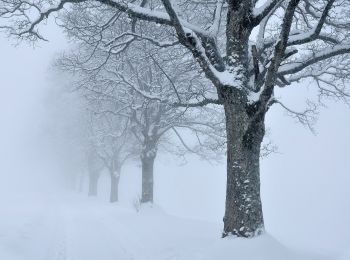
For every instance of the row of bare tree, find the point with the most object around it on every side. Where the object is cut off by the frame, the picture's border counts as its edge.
(131, 111)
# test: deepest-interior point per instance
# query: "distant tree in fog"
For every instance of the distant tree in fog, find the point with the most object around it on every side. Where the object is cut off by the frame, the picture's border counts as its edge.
(94, 166)
(65, 127)
(134, 86)
(113, 143)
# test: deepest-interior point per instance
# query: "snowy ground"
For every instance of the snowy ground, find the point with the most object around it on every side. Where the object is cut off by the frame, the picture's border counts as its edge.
(73, 227)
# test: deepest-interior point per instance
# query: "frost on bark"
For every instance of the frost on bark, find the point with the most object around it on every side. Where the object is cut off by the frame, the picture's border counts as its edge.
(245, 132)
(243, 208)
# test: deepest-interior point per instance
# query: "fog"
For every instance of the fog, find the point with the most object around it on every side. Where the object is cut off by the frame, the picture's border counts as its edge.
(305, 184)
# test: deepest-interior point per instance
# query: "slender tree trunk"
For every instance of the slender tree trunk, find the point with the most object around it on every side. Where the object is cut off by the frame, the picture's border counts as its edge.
(245, 132)
(115, 176)
(147, 178)
(93, 181)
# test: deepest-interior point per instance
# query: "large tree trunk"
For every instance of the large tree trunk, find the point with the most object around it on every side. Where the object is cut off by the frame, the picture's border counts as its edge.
(114, 187)
(245, 132)
(147, 178)
(93, 181)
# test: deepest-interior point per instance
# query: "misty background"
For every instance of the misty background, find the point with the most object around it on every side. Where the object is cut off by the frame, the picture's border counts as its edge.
(305, 185)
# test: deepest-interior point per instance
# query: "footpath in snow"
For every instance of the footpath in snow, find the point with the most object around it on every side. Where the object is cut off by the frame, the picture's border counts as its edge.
(77, 228)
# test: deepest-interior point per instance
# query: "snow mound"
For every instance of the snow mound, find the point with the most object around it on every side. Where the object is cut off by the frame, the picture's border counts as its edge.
(75, 228)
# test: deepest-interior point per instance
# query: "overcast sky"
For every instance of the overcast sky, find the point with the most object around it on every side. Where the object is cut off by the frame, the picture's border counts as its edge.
(305, 186)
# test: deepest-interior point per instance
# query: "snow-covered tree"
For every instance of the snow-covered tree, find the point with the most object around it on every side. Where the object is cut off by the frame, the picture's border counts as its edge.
(94, 168)
(114, 144)
(134, 86)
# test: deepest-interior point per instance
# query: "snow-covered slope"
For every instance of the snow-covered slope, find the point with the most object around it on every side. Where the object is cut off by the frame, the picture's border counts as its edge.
(76, 228)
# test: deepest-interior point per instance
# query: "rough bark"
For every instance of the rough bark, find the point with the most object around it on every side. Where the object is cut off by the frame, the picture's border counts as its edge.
(245, 132)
